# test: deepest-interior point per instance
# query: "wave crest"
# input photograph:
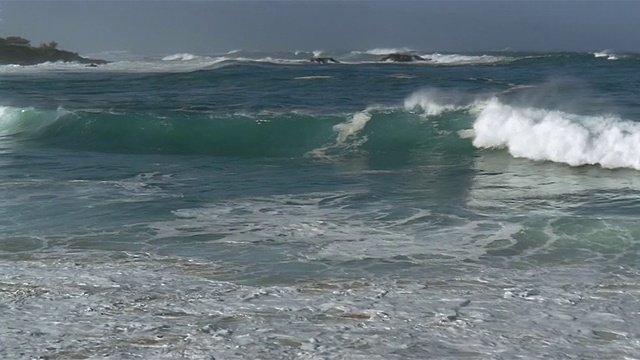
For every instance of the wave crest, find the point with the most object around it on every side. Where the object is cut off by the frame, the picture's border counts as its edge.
(605, 54)
(27, 122)
(432, 102)
(548, 135)
(386, 51)
(458, 59)
(180, 57)
(352, 126)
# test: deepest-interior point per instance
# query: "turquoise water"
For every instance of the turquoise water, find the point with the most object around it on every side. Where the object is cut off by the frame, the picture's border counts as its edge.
(254, 205)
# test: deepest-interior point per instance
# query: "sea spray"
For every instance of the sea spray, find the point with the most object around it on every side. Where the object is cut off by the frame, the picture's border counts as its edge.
(352, 126)
(345, 136)
(432, 102)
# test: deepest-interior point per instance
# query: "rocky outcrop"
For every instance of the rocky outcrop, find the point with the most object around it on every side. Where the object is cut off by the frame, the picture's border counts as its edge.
(19, 52)
(397, 57)
(324, 60)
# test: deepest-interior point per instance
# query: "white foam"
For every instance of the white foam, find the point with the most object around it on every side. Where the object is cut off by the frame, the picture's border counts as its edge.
(346, 138)
(123, 61)
(314, 217)
(166, 307)
(352, 126)
(337, 230)
(386, 51)
(126, 66)
(313, 77)
(180, 57)
(606, 54)
(271, 60)
(457, 59)
(548, 135)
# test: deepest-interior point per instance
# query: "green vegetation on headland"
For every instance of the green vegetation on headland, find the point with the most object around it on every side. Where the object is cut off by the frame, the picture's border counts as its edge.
(17, 50)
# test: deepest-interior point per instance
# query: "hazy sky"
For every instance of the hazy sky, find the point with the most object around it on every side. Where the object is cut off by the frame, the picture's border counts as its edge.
(164, 27)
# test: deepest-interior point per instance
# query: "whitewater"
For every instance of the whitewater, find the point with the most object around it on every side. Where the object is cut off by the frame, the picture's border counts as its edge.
(252, 204)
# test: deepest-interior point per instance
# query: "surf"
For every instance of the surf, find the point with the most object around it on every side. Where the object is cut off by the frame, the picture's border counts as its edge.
(551, 135)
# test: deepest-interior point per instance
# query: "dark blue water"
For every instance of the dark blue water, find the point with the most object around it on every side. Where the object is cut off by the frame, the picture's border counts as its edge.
(478, 206)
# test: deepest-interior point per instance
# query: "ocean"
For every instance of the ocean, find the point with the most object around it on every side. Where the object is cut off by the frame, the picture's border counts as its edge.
(255, 205)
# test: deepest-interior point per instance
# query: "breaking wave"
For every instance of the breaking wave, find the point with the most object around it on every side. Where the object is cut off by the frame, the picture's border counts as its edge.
(123, 61)
(428, 120)
(385, 51)
(549, 135)
(180, 57)
(373, 130)
(457, 59)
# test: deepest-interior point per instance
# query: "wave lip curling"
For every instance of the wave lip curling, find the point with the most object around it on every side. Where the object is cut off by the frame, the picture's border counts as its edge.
(548, 135)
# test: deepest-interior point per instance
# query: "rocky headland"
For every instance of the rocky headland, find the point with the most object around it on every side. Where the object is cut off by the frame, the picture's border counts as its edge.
(17, 50)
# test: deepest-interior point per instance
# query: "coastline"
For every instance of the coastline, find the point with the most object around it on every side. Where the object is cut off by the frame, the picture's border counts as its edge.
(15, 50)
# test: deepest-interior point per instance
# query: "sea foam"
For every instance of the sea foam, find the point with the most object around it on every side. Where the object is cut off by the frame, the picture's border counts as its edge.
(606, 54)
(549, 135)
(458, 59)
(352, 126)
(180, 57)
(386, 51)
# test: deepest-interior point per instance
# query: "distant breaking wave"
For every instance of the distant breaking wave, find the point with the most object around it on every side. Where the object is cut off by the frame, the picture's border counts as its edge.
(385, 51)
(433, 102)
(606, 54)
(181, 57)
(456, 59)
(122, 61)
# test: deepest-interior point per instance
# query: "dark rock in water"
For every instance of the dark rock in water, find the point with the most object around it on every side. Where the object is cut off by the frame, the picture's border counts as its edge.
(324, 60)
(18, 51)
(396, 57)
